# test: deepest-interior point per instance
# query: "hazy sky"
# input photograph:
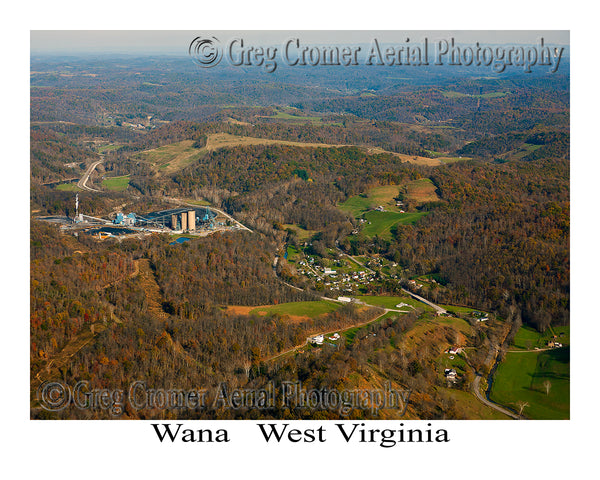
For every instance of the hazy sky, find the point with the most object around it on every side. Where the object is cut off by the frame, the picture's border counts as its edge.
(177, 42)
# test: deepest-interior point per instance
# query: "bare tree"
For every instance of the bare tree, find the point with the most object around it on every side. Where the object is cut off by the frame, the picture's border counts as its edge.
(547, 386)
(247, 365)
(521, 404)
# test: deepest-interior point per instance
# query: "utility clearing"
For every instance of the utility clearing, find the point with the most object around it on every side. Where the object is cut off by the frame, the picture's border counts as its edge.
(175, 156)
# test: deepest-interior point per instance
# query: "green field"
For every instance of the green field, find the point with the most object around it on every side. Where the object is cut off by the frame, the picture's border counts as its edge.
(381, 223)
(298, 118)
(524, 150)
(108, 148)
(419, 191)
(528, 338)
(67, 187)
(116, 184)
(521, 377)
(472, 408)
(303, 309)
(293, 254)
(356, 206)
(360, 204)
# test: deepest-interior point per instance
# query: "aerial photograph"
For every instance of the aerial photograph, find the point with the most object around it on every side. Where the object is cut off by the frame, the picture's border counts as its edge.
(299, 225)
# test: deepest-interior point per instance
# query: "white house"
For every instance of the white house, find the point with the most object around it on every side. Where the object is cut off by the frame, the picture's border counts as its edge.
(450, 373)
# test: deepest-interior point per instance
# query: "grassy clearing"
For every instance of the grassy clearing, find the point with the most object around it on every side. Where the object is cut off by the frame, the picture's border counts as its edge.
(302, 234)
(301, 309)
(293, 254)
(418, 191)
(457, 362)
(225, 140)
(429, 162)
(528, 338)
(381, 223)
(524, 150)
(173, 157)
(472, 408)
(108, 148)
(293, 116)
(422, 191)
(521, 377)
(416, 334)
(378, 196)
(297, 118)
(357, 205)
(456, 323)
(116, 184)
(67, 187)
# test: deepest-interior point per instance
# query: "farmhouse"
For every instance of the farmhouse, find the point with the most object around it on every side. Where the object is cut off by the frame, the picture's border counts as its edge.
(454, 350)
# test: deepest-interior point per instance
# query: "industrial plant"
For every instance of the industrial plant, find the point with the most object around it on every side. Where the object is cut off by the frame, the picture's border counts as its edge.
(191, 220)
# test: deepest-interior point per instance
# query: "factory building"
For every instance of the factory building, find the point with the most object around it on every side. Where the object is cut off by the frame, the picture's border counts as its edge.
(121, 219)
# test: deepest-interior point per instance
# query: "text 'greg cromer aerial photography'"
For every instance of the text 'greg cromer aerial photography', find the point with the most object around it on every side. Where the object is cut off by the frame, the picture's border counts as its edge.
(300, 225)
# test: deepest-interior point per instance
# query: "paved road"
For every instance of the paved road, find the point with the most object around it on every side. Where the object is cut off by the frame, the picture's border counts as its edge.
(437, 308)
(482, 399)
(355, 260)
(239, 224)
(86, 176)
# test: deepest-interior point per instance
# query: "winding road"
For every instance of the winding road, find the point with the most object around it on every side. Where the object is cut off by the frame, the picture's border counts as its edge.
(482, 399)
(86, 176)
